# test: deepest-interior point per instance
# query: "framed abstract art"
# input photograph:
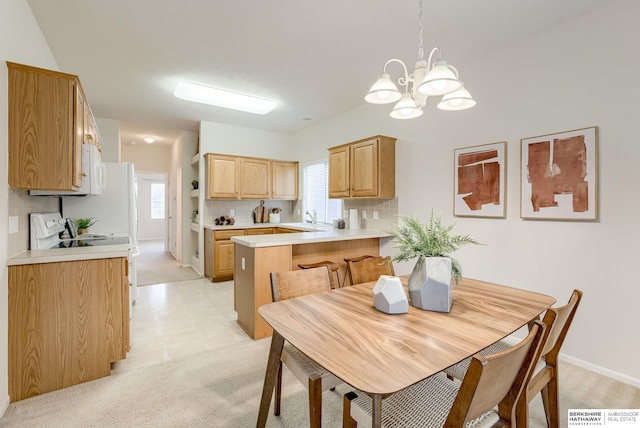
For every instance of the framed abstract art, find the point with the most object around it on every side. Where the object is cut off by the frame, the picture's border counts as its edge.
(559, 176)
(480, 181)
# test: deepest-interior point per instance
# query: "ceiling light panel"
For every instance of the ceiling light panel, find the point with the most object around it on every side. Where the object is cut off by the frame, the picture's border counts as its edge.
(221, 98)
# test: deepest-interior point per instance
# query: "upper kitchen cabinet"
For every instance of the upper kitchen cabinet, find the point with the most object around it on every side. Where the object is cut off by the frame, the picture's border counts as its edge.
(254, 178)
(222, 176)
(363, 169)
(284, 180)
(49, 120)
(239, 177)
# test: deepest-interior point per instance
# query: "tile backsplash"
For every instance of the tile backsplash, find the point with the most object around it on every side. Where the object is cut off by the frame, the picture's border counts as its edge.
(20, 205)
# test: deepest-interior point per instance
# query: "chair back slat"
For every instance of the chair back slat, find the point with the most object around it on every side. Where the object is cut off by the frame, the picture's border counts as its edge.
(558, 330)
(497, 379)
(295, 283)
(370, 269)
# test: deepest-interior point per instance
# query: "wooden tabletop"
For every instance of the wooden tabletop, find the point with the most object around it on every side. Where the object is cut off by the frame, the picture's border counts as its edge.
(379, 353)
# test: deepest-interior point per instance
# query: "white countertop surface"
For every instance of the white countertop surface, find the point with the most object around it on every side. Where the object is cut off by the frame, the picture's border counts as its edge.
(69, 254)
(310, 233)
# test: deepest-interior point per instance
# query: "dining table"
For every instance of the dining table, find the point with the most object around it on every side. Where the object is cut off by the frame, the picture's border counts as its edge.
(379, 353)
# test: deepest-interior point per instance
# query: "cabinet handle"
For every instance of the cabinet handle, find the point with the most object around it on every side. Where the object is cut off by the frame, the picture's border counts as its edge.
(84, 174)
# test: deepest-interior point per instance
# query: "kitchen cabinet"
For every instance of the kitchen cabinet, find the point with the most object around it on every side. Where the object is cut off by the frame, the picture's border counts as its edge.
(241, 177)
(284, 180)
(49, 120)
(254, 178)
(363, 169)
(222, 176)
(223, 254)
(260, 231)
(68, 321)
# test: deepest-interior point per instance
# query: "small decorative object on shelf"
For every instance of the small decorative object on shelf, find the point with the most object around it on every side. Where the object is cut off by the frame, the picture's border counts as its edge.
(83, 224)
(224, 220)
(194, 184)
(389, 295)
(431, 244)
(194, 216)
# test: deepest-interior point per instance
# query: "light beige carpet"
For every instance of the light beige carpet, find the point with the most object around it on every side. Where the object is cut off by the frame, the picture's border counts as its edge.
(155, 266)
(222, 388)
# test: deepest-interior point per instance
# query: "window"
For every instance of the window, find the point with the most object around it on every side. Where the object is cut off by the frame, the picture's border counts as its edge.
(315, 183)
(157, 200)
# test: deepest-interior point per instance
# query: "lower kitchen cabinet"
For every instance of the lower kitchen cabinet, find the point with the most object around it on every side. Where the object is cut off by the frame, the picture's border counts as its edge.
(68, 321)
(223, 254)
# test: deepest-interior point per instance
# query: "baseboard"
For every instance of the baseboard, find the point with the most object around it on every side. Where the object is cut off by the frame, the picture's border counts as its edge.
(4, 406)
(621, 377)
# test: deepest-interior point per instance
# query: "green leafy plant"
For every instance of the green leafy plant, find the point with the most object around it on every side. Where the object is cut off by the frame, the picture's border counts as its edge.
(194, 214)
(416, 239)
(84, 223)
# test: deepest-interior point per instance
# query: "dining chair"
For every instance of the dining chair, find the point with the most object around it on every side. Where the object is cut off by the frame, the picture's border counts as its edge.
(545, 375)
(333, 268)
(492, 381)
(287, 285)
(367, 269)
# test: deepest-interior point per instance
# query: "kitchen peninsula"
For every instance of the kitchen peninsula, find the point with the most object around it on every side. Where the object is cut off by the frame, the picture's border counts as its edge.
(258, 255)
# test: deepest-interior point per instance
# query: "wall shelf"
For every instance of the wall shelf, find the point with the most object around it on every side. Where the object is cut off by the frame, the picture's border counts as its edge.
(196, 159)
(195, 193)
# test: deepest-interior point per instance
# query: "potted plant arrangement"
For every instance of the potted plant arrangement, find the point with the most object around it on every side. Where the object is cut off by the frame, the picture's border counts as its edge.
(194, 216)
(432, 244)
(194, 184)
(83, 224)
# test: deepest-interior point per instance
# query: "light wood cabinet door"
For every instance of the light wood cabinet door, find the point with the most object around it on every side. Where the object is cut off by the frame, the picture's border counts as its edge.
(222, 177)
(284, 180)
(44, 150)
(260, 231)
(223, 262)
(363, 169)
(339, 172)
(67, 323)
(254, 178)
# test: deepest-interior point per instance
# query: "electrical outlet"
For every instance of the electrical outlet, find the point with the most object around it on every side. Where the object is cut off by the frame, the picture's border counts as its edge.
(375, 215)
(232, 212)
(364, 214)
(298, 211)
(243, 264)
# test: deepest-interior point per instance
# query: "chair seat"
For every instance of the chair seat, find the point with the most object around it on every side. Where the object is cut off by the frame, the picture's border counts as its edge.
(304, 367)
(425, 404)
(457, 371)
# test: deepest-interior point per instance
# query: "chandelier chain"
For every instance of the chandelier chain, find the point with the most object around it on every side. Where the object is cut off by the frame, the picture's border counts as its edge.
(420, 36)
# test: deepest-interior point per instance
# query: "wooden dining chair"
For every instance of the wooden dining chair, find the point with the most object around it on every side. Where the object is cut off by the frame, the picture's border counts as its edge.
(545, 375)
(492, 381)
(369, 269)
(287, 285)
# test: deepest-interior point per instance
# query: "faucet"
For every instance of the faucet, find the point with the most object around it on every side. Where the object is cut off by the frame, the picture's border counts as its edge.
(313, 217)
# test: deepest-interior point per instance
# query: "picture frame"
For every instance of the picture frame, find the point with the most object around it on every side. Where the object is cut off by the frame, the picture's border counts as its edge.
(559, 176)
(480, 181)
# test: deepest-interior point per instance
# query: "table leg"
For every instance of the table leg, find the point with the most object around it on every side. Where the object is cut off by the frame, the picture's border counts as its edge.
(376, 411)
(270, 376)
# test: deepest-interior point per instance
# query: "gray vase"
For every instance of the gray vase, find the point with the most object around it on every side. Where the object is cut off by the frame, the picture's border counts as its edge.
(430, 284)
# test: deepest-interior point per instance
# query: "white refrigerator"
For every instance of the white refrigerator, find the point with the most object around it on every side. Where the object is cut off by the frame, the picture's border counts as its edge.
(116, 211)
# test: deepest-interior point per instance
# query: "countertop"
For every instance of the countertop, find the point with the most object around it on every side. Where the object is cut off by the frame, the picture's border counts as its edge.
(69, 254)
(309, 233)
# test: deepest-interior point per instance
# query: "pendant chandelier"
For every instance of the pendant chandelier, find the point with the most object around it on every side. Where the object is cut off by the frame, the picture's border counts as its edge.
(429, 78)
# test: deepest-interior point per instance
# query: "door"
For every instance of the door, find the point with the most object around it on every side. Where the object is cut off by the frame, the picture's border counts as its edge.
(364, 168)
(339, 172)
(173, 238)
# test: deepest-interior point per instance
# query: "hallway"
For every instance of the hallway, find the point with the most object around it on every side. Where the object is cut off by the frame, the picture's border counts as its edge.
(156, 266)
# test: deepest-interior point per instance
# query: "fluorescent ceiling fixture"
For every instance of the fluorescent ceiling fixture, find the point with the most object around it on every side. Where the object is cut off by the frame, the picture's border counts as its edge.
(149, 140)
(221, 98)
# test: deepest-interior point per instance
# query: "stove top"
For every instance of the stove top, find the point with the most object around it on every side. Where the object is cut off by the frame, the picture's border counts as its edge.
(91, 242)
(47, 232)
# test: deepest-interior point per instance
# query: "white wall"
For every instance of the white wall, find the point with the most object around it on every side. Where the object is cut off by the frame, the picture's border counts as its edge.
(583, 73)
(20, 41)
(110, 136)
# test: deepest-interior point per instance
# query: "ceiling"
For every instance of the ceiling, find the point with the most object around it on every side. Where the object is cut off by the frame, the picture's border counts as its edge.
(316, 59)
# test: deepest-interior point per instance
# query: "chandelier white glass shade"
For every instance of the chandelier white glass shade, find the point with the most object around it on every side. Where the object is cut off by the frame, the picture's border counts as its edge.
(429, 78)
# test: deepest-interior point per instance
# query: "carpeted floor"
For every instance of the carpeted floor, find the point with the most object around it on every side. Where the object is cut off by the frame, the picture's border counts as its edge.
(155, 266)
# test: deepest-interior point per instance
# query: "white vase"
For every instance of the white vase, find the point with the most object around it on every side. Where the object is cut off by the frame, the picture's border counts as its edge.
(430, 284)
(389, 295)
